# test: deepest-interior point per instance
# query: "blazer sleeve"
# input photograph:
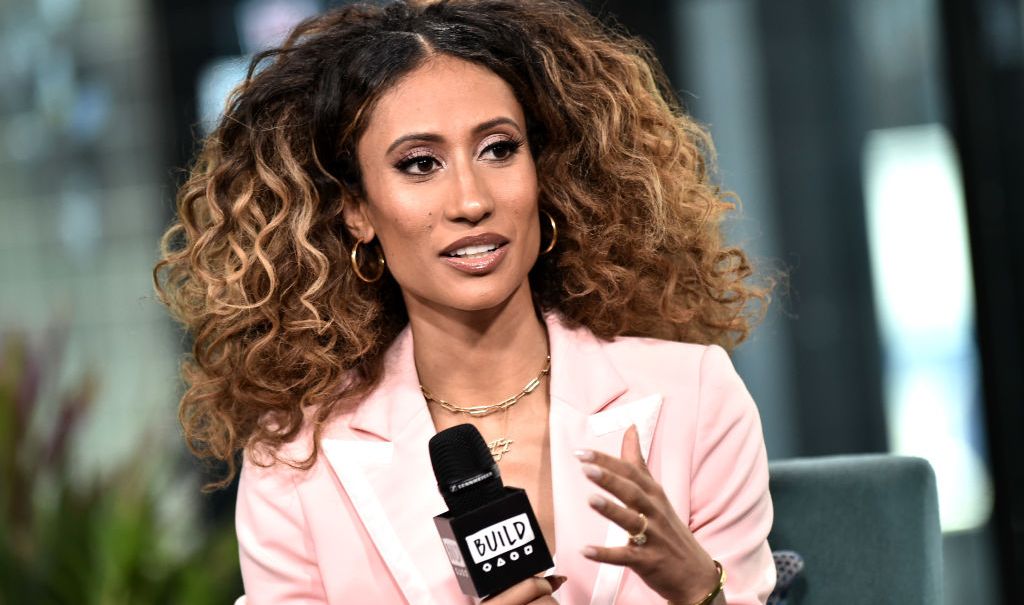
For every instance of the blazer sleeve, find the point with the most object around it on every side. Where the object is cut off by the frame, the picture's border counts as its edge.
(730, 508)
(274, 546)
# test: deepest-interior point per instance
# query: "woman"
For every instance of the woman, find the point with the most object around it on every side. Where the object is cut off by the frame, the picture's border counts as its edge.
(412, 210)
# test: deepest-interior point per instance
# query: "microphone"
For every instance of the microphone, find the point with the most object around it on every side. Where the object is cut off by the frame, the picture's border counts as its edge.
(490, 533)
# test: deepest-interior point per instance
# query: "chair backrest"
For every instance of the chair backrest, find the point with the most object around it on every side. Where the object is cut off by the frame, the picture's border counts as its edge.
(867, 527)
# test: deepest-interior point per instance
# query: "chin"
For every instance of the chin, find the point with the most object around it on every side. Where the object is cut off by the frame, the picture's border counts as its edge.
(479, 295)
(465, 294)
(482, 302)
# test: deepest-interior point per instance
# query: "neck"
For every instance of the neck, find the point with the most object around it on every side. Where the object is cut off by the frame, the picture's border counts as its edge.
(478, 357)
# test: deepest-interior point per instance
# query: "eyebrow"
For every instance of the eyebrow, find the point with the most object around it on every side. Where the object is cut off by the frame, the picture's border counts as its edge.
(436, 138)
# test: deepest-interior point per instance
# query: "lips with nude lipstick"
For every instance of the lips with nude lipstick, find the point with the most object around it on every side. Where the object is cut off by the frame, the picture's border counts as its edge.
(476, 254)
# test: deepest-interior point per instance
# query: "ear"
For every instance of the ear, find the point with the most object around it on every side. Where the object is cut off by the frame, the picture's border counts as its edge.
(357, 219)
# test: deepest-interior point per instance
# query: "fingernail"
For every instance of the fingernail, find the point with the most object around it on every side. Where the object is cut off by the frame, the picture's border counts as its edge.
(589, 552)
(597, 501)
(592, 471)
(556, 582)
(584, 455)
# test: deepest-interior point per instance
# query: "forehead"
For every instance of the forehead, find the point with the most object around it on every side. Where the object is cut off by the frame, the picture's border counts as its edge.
(445, 95)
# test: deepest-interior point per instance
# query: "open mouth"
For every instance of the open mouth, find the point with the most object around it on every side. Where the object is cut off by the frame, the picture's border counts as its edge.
(473, 251)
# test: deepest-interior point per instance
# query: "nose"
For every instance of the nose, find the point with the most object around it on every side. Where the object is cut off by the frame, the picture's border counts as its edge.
(471, 200)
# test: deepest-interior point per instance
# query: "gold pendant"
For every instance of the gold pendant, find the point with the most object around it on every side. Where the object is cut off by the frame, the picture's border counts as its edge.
(499, 447)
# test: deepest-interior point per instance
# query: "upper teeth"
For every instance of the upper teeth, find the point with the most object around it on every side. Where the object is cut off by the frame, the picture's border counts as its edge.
(471, 250)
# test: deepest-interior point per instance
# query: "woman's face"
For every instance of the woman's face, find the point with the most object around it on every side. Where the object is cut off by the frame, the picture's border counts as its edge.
(450, 187)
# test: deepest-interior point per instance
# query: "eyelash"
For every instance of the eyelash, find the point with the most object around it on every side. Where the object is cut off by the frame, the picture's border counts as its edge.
(511, 145)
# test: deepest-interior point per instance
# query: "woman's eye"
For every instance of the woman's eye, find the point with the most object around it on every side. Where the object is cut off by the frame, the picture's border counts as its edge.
(418, 165)
(502, 150)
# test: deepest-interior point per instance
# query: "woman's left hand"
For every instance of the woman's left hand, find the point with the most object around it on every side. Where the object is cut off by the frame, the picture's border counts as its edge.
(671, 561)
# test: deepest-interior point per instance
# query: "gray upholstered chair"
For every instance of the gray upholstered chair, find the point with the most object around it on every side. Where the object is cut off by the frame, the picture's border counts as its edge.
(867, 527)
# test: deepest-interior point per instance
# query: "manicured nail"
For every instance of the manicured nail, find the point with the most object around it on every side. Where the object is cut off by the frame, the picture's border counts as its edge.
(556, 582)
(584, 455)
(592, 471)
(597, 501)
(589, 552)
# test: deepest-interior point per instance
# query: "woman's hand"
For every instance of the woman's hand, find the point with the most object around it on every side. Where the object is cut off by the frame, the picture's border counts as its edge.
(671, 561)
(531, 591)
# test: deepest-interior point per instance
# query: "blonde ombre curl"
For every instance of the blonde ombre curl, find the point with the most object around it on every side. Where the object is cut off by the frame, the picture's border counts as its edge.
(256, 265)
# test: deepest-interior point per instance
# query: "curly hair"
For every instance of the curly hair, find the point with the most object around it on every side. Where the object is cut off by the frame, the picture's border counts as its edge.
(255, 265)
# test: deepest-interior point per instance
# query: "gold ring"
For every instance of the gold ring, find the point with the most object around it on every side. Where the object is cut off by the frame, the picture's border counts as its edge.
(640, 537)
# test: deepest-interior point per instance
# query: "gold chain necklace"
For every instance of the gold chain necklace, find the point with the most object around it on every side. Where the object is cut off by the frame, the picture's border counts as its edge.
(499, 447)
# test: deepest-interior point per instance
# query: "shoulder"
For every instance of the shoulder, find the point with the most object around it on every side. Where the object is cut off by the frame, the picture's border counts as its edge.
(659, 360)
(643, 363)
(654, 352)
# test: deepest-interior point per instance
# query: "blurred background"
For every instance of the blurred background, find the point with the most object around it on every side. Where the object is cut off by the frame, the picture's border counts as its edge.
(877, 147)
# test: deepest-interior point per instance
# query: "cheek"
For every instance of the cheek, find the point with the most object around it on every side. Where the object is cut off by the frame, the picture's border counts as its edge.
(395, 209)
(518, 190)
(402, 223)
(398, 224)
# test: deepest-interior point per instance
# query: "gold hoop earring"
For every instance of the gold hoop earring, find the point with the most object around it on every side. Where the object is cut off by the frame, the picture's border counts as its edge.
(355, 264)
(554, 233)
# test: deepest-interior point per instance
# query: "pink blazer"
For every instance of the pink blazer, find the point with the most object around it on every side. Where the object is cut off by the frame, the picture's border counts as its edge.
(358, 528)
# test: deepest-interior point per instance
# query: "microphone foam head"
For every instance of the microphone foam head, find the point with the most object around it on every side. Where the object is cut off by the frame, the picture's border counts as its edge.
(465, 470)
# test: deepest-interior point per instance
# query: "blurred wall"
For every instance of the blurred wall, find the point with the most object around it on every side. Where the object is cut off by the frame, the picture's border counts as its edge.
(83, 192)
(98, 499)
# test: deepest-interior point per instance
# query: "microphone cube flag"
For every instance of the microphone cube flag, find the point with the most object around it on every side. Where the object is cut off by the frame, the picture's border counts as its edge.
(495, 545)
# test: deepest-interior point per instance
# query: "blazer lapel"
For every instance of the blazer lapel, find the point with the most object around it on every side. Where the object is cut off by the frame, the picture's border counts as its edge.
(389, 479)
(584, 384)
